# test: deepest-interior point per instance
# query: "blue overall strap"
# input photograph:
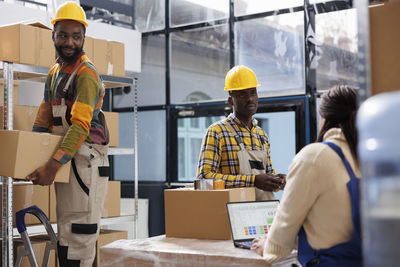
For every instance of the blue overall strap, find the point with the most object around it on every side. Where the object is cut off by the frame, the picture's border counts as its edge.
(353, 186)
(346, 254)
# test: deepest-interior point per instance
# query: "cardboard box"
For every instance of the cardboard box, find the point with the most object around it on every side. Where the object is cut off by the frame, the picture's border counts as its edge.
(22, 152)
(384, 49)
(112, 119)
(116, 59)
(25, 194)
(88, 47)
(201, 214)
(24, 117)
(100, 55)
(15, 92)
(109, 57)
(107, 237)
(38, 246)
(112, 202)
(27, 44)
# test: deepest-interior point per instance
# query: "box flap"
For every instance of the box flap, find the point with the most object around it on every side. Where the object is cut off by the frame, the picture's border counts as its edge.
(38, 24)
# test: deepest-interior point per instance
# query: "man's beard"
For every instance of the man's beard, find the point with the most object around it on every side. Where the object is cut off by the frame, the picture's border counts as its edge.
(71, 58)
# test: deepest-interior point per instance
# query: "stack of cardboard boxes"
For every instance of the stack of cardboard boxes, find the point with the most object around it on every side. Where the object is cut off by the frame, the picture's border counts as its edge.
(31, 44)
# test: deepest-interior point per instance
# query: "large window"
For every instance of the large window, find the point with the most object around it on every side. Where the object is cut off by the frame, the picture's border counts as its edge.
(296, 48)
(274, 48)
(336, 61)
(283, 121)
(190, 134)
(151, 80)
(246, 7)
(199, 62)
(149, 15)
(185, 12)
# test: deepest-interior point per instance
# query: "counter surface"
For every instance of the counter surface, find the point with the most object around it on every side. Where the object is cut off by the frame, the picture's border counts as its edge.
(162, 251)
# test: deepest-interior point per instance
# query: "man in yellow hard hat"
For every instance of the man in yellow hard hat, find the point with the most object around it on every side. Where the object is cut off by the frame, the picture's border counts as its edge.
(235, 149)
(71, 107)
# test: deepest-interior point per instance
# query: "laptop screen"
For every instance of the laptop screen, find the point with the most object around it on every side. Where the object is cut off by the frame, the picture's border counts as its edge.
(251, 219)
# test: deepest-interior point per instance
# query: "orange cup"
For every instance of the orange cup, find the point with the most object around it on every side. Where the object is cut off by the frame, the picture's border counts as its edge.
(218, 184)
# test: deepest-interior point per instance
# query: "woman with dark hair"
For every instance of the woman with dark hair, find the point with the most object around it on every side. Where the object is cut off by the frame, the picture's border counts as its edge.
(320, 203)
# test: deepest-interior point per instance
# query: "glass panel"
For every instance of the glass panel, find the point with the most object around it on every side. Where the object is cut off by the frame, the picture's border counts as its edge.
(194, 11)
(273, 47)
(151, 81)
(246, 7)
(151, 146)
(189, 142)
(337, 39)
(199, 62)
(150, 15)
(281, 130)
(318, 116)
(319, 1)
(280, 127)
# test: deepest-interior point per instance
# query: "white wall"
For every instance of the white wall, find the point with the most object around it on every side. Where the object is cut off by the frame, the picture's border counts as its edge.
(14, 13)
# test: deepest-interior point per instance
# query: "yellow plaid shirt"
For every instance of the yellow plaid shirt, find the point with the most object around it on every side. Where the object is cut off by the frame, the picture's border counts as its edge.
(218, 156)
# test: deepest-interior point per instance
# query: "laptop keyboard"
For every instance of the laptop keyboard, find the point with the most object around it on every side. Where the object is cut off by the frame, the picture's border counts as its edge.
(244, 244)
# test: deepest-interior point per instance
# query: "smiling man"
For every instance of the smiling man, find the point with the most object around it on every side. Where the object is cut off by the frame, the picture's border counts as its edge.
(235, 149)
(71, 107)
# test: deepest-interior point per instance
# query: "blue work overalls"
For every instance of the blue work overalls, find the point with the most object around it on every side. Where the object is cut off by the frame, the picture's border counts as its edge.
(345, 254)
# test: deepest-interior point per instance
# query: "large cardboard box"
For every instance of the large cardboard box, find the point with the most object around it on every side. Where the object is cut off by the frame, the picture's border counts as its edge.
(384, 49)
(27, 44)
(112, 119)
(25, 194)
(107, 237)
(22, 152)
(112, 202)
(201, 214)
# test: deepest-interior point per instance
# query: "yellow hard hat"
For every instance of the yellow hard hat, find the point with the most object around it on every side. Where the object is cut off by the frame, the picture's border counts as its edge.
(70, 11)
(240, 78)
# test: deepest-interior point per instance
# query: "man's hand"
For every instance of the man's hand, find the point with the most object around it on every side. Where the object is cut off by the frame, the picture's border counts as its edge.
(45, 175)
(258, 245)
(283, 180)
(267, 182)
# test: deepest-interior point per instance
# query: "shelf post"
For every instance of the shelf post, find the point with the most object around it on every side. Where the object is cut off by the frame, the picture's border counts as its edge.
(135, 145)
(7, 182)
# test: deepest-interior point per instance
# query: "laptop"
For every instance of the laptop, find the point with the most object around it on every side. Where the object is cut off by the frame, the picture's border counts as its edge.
(249, 220)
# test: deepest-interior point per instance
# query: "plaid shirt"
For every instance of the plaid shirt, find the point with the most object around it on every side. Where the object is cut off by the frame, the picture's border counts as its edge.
(218, 156)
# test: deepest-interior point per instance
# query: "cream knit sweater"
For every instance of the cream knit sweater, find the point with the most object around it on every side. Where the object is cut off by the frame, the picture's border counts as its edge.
(315, 197)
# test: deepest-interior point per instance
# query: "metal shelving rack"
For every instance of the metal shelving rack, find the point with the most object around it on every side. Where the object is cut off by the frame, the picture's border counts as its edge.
(11, 71)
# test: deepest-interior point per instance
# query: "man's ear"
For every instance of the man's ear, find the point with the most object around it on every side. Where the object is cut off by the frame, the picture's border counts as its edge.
(230, 101)
(52, 35)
